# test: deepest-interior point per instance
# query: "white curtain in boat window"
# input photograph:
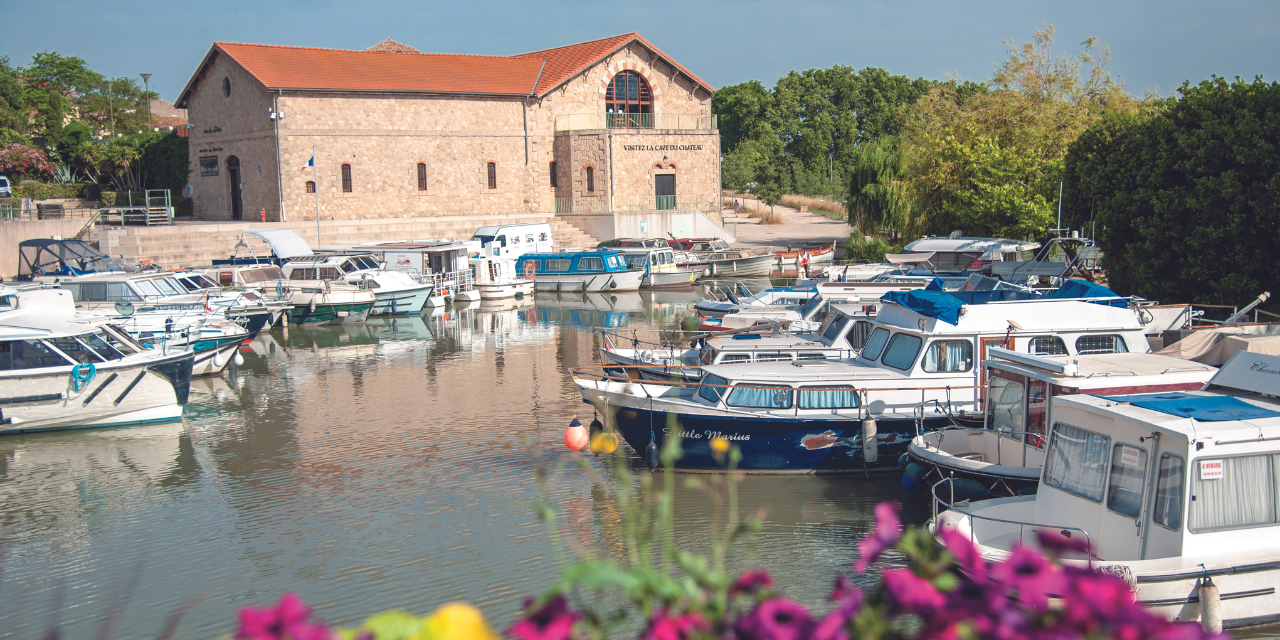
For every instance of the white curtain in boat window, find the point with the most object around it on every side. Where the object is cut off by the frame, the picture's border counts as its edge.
(829, 398)
(1168, 509)
(1243, 496)
(759, 398)
(948, 356)
(1128, 475)
(1077, 461)
(902, 351)
(1004, 408)
(712, 388)
(875, 344)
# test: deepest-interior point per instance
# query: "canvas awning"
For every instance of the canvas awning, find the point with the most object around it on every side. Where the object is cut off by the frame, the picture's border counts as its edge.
(284, 243)
(1216, 346)
(1013, 268)
(908, 258)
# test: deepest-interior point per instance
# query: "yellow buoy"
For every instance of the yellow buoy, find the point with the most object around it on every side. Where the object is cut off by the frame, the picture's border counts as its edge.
(605, 442)
(457, 621)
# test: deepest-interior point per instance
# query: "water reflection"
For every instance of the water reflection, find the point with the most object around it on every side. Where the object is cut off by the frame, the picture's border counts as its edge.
(365, 467)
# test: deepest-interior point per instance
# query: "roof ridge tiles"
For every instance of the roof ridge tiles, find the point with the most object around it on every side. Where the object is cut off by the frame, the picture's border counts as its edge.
(633, 34)
(408, 53)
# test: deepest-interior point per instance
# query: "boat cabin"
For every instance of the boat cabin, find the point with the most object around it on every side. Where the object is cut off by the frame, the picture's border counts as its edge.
(334, 268)
(595, 261)
(957, 254)
(699, 245)
(650, 258)
(246, 276)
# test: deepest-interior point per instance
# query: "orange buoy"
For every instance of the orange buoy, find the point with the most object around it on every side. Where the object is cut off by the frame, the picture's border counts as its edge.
(575, 436)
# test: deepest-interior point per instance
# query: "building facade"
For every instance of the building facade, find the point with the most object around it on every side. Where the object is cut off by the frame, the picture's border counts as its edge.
(612, 125)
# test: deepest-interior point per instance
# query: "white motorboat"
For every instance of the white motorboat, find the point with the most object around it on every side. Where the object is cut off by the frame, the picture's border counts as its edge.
(496, 278)
(395, 292)
(1170, 490)
(1005, 456)
(716, 259)
(660, 268)
(597, 270)
(58, 371)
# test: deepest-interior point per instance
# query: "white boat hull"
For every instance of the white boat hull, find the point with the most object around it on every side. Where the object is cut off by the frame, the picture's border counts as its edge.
(682, 278)
(497, 291)
(400, 302)
(589, 282)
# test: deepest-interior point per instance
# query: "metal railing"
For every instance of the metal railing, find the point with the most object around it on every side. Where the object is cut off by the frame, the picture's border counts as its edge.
(1001, 434)
(9, 212)
(684, 121)
(974, 518)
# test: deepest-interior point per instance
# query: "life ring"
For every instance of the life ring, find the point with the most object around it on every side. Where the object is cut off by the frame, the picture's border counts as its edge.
(530, 268)
(83, 373)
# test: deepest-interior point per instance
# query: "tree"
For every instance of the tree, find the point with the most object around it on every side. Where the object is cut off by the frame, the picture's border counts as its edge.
(55, 84)
(741, 167)
(13, 119)
(879, 198)
(1187, 201)
(743, 111)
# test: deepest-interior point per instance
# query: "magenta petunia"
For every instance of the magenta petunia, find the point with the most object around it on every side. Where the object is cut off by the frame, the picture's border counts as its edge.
(884, 535)
(288, 619)
(842, 589)
(912, 592)
(1057, 541)
(966, 553)
(835, 625)
(776, 619)
(683, 627)
(551, 621)
(751, 582)
(1029, 573)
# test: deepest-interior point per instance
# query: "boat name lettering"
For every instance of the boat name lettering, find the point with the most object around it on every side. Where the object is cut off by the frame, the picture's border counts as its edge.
(708, 434)
(1261, 367)
(175, 307)
(662, 147)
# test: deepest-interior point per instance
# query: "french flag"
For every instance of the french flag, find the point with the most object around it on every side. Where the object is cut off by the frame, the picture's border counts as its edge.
(310, 163)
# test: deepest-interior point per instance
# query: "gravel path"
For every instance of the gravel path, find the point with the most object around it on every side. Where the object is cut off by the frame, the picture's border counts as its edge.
(798, 228)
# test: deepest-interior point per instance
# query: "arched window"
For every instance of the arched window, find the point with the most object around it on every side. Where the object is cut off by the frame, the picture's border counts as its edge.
(591, 179)
(493, 175)
(628, 93)
(311, 187)
(346, 178)
(422, 176)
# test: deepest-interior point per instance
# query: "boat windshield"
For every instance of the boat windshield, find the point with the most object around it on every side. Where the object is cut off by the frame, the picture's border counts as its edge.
(712, 388)
(810, 306)
(833, 330)
(28, 354)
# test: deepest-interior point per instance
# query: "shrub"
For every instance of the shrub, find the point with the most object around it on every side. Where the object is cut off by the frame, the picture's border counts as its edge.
(19, 161)
(108, 198)
(859, 249)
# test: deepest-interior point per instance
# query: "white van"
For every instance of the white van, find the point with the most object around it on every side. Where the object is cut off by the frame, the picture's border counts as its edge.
(6, 191)
(515, 240)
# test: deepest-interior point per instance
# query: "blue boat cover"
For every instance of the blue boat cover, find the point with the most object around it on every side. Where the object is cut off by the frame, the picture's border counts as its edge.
(933, 304)
(1085, 289)
(935, 285)
(1203, 408)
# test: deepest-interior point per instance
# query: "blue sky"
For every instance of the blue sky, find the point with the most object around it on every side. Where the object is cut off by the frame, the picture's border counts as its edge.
(1153, 44)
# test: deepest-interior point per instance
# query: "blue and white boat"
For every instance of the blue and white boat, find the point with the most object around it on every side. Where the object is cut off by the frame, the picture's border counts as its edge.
(580, 271)
(916, 371)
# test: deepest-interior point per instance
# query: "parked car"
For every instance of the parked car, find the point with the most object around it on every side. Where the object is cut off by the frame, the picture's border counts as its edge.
(5, 190)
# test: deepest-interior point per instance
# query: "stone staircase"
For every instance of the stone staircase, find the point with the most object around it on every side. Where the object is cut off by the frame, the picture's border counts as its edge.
(567, 235)
(198, 243)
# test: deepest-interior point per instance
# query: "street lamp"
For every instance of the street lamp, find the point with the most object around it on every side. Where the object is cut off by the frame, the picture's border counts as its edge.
(146, 83)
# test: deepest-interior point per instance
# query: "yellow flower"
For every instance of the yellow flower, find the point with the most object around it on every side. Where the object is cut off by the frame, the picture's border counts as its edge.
(456, 621)
(719, 445)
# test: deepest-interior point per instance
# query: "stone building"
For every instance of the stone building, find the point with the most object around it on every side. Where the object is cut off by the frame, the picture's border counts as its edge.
(606, 128)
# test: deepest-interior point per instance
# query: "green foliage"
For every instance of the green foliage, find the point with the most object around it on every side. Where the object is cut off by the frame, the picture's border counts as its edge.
(61, 86)
(878, 198)
(743, 111)
(53, 191)
(741, 167)
(859, 249)
(1187, 201)
(12, 118)
(166, 162)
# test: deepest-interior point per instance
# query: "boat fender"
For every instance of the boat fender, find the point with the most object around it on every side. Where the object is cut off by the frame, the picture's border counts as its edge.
(869, 450)
(597, 428)
(909, 485)
(651, 455)
(83, 374)
(605, 442)
(238, 359)
(218, 360)
(575, 436)
(312, 308)
(915, 472)
(904, 460)
(613, 284)
(967, 489)
(1210, 606)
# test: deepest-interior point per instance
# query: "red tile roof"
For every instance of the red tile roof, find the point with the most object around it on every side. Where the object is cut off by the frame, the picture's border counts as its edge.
(305, 68)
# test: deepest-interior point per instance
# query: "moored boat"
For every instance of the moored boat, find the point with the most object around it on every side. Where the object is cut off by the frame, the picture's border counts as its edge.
(580, 271)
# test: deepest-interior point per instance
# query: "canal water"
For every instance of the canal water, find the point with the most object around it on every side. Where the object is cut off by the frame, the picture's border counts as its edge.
(388, 465)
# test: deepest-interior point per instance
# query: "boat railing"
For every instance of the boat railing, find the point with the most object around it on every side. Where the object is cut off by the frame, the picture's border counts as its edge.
(1022, 525)
(618, 373)
(1001, 434)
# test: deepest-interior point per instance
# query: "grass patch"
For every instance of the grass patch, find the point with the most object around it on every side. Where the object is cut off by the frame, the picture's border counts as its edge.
(829, 208)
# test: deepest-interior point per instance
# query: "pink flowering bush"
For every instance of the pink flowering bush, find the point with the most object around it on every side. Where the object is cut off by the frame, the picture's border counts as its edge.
(945, 591)
(20, 162)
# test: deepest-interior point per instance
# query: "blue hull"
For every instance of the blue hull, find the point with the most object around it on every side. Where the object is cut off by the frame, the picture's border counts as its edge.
(254, 323)
(776, 445)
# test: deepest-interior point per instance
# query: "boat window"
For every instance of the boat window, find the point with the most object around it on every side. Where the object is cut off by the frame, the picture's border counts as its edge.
(857, 335)
(302, 274)
(170, 286)
(773, 357)
(147, 288)
(1004, 405)
(1232, 493)
(760, 398)
(637, 262)
(1100, 344)
(1076, 461)
(120, 291)
(829, 398)
(590, 263)
(127, 347)
(1128, 473)
(28, 354)
(101, 347)
(74, 350)
(189, 285)
(329, 273)
(90, 292)
(833, 330)
(712, 388)
(735, 357)
(558, 265)
(811, 305)
(811, 355)
(271, 273)
(226, 279)
(370, 263)
(372, 284)
(902, 351)
(348, 267)
(1048, 346)
(875, 344)
(1168, 509)
(948, 356)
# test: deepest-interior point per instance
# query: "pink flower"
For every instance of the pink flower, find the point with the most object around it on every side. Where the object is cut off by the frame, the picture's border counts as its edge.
(912, 592)
(835, 625)
(662, 627)
(884, 536)
(967, 555)
(553, 621)
(1031, 574)
(1059, 541)
(776, 619)
(751, 582)
(288, 619)
(842, 588)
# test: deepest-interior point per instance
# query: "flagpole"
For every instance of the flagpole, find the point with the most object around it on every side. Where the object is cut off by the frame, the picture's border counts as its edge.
(315, 176)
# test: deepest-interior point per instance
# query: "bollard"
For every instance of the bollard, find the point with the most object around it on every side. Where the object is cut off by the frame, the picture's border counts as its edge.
(869, 452)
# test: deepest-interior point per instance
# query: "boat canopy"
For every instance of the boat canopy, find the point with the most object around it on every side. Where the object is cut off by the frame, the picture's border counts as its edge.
(284, 243)
(1210, 408)
(932, 304)
(1217, 345)
(45, 257)
(908, 258)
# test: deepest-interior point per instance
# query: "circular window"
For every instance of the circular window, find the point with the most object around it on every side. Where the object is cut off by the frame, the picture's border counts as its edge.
(226, 87)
